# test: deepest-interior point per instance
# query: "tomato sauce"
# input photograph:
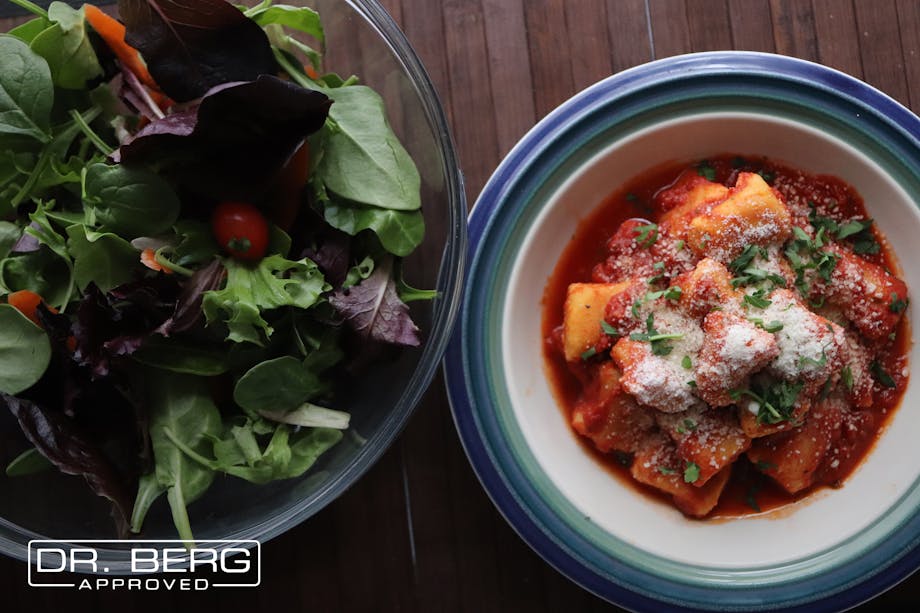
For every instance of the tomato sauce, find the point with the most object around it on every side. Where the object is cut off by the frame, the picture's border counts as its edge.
(749, 491)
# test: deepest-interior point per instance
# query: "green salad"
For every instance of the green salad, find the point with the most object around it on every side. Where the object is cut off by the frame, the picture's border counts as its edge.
(200, 241)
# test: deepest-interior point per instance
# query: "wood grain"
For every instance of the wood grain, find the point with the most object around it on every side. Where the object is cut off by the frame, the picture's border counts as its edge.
(418, 533)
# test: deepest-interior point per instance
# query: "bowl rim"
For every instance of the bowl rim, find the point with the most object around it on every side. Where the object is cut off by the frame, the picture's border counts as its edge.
(445, 307)
(461, 381)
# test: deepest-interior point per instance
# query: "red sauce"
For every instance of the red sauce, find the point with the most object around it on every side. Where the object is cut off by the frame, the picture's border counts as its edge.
(748, 491)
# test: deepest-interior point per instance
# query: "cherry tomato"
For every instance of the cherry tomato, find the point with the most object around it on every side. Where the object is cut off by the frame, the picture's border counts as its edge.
(240, 230)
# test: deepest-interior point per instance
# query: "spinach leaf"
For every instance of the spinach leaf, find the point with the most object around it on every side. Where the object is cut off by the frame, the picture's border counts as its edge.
(196, 243)
(9, 234)
(25, 351)
(60, 440)
(182, 356)
(67, 48)
(130, 201)
(29, 462)
(30, 29)
(26, 91)
(362, 160)
(300, 18)
(400, 232)
(191, 47)
(280, 384)
(148, 490)
(309, 415)
(181, 410)
(102, 258)
(41, 272)
(373, 309)
(273, 282)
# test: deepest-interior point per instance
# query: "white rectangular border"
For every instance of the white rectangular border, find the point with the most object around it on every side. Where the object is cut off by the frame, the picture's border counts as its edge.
(258, 548)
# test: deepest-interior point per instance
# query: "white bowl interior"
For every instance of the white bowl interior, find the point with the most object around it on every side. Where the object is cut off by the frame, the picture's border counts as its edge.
(810, 526)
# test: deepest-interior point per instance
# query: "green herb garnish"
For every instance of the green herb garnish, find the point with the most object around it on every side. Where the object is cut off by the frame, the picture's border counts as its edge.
(691, 472)
(646, 235)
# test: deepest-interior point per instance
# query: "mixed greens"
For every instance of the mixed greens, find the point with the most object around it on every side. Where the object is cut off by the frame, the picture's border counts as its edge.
(200, 235)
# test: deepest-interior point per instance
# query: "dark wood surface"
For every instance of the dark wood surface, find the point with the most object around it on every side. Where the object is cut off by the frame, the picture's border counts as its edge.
(418, 533)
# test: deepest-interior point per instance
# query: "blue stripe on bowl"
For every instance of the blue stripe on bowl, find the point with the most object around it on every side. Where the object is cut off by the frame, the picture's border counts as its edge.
(782, 86)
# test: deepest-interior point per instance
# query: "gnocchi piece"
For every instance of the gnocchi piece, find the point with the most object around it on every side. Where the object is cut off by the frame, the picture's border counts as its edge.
(658, 465)
(749, 412)
(707, 286)
(870, 297)
(792, 459)
(652, 380)
(632, 253)
(733, 348)
(585, 305)
(608, 416)
(710, 439)
(751, 215)
(688, 197)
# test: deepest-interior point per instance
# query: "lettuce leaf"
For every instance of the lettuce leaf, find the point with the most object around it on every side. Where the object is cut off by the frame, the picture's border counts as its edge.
(272, 283)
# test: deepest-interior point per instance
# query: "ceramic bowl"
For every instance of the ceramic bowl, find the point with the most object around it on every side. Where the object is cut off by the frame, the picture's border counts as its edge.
(834, 549)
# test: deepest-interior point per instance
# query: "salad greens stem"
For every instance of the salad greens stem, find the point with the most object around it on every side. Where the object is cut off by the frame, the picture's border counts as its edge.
(180, 515)
(94, 138)
(298, 76)
(165, 262)
(31, 7)
(259, 7)
(26, 189)
(188, 451)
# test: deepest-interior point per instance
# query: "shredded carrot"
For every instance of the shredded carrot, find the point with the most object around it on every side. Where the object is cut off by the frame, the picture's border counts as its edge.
(27, 303)
(149, 259)
(112, 32)
(311, 72)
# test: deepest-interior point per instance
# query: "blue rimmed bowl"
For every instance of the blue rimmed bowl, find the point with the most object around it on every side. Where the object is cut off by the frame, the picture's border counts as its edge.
(835, 549)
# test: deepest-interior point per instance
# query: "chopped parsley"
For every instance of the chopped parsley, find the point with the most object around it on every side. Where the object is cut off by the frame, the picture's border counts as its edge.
(691, 472)
(897, 304)
(773, 327)
(747, 258)
(805, 253)
(687, 362)
(758, 299)
(609, 330)
(679, 245)
(646, 235)
(882, 376)
(764, 466)
(659, 341)
(767, 176)
(672, 293)
(739, 162)
(858, 231)
(692, 384)
(846, 375)
(658, 266)
(777, 400)
(705, 170)
(631, 197)
(809, 361)
(590, 353)
(664, 470)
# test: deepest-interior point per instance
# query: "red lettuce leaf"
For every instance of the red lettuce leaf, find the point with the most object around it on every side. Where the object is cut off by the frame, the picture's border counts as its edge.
(190, 47)
(62, 441)
(188, 307)
(373, 309)
(234, 144)
(331, 255)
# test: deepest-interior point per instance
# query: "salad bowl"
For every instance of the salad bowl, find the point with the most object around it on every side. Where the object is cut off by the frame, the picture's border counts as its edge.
(361, 39)
(830, 551)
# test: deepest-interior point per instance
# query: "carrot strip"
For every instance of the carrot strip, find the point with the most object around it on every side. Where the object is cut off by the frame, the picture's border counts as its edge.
(112, 32)
(26, 302)
(149, 259)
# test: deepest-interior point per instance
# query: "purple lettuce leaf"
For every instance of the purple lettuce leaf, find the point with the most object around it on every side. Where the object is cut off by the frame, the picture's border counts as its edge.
(63, 442)
(190, 47)
(188, 307)
(332, 256)
(235, 142)
(373, 309)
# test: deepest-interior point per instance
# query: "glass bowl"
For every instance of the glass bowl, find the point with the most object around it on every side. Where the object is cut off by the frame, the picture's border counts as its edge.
(362, 39)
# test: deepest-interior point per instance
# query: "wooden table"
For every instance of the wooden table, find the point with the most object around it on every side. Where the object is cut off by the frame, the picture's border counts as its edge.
(418, 533)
